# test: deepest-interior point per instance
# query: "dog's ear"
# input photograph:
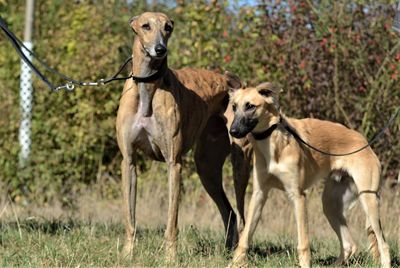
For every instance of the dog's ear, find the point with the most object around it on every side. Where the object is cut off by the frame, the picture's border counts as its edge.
(133, 23)
(171, 22)
(268, 89)
(233, 82)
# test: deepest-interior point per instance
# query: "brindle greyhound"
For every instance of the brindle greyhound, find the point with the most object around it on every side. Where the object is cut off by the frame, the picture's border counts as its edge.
(164, 116)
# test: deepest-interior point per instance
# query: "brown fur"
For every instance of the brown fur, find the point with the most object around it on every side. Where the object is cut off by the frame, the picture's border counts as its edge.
(241, 157)
(164, 119)
(280, 161)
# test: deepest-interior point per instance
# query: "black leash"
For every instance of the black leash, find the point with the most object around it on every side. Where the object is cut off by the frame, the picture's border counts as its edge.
(70, 85)
(265, 134)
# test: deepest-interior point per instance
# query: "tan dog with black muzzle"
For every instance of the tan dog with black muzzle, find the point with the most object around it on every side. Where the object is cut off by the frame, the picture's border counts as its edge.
(163, 113)
(281, 161)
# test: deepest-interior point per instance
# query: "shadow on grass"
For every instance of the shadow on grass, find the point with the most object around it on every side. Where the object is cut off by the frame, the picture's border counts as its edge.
(51, 227)
(326, 261)
(56, 226)
(361, 259)
(395, 261)
(267, 249)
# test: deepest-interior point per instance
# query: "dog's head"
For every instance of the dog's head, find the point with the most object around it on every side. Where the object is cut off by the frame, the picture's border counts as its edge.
(255, 109)
(153, 31)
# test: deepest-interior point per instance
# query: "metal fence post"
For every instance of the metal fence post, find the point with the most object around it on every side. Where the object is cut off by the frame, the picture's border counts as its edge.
(26, 89)
(396, 21)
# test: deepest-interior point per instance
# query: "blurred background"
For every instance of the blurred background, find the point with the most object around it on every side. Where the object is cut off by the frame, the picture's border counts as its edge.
(336, 60)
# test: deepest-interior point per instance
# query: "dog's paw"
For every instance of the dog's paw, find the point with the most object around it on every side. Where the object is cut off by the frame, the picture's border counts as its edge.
(127, 250)
(239, 261)
(170, 252)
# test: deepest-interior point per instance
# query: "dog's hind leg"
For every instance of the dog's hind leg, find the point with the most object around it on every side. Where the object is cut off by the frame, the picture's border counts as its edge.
(241, 163)
(373, 243)
(369, 202)
(336, 199)
(211, 151)
(367, 181)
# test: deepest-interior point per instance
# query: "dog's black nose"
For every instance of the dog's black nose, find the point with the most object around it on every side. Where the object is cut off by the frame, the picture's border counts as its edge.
(234, 132)
(160, 50)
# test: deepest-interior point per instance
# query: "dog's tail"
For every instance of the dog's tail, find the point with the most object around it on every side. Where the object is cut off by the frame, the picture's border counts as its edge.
(373, 243)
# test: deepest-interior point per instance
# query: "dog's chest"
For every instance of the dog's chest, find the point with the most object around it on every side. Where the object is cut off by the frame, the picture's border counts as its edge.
(281, 168)
(155, 134)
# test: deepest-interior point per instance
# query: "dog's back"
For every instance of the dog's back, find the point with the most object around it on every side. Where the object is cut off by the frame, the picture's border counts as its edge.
(335, 138)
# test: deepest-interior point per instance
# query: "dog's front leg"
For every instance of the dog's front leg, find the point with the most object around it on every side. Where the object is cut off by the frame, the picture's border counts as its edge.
(258, 198)
(303, 244)
(129, 179)
(241, 173)
(171, 232)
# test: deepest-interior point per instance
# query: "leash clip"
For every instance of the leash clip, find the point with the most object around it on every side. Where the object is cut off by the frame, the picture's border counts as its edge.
(68, 86)
(89, 84)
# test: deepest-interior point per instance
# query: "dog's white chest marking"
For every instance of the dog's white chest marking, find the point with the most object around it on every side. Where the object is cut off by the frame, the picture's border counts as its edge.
(283, 170)
(141, 123)
(143, 134)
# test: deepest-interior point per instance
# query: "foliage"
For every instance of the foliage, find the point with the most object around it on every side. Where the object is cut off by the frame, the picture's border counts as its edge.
(334, 60)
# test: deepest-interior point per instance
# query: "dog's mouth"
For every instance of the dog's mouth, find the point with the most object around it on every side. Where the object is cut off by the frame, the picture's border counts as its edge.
(238, 135)
(154, 55)
(160, 57)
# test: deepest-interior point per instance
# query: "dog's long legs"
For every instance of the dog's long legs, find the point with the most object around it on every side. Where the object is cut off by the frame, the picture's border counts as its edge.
(171, 232)
(300, 211)
(370, 205)
(241, 174)
(209, 157)
(367, 180)
(129, 180)
(258, 198)
(336, 199)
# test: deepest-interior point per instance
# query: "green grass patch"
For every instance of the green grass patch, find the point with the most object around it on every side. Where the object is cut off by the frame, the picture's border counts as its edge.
(70, 243)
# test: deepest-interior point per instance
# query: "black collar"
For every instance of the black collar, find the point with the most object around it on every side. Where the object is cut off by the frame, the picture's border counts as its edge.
(153, 76)
(266, 133)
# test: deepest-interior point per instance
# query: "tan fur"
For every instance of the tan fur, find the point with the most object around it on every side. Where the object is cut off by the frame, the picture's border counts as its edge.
(164, 119)
(282, 162)
(373, 243)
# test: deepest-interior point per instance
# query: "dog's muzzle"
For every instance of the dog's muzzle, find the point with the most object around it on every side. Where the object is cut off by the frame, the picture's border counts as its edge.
(156, 52)
(241, 126)
(160, 50)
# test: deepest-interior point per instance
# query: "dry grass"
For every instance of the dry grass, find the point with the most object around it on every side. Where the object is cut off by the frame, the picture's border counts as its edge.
(92, 233)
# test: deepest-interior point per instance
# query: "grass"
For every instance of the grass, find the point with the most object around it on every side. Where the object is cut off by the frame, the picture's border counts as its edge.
(50, 243)
(91, 233)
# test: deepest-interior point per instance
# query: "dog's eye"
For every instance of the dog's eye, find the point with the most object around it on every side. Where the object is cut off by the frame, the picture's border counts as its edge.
(249, 106)
(168, 28)
(146, 27)
(234, 107)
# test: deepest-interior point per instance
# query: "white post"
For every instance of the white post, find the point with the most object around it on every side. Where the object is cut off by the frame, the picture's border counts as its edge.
(396, 21)
(25, 104)
(26, 90)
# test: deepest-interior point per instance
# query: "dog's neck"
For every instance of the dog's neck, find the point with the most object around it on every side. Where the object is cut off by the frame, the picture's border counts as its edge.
(272, 139)
(143, 65)
(269, 129)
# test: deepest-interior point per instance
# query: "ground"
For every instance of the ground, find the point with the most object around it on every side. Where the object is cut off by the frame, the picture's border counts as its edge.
(92, 233)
